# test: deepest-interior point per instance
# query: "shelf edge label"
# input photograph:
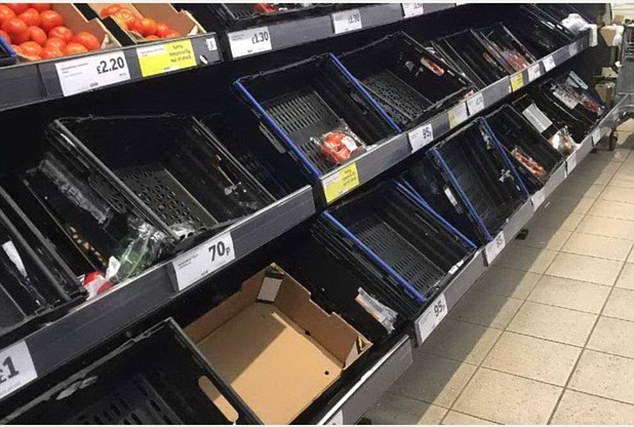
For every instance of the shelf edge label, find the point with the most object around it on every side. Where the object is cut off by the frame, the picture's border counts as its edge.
(249, 42)
(165, 57)
(458, 114)
(549, 63)
(596, 136)
(16, 368)
(92, 72)
(517, 81)
(341, 182)
(571, 162)
(537, 199)
(420, 137)
(431, 318)
(412, 9)
(494, 247)
(346, 20)
(475, 104)
(534, 72)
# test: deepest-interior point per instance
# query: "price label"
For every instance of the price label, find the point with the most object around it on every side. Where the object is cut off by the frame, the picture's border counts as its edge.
(571, 162)
(431, 318)
(593, 35)
(203, 260)
(475, 104)
(339, 183)
(16, 368)
(162, 58)
(573, 49)
(412, 9)
(337, 419)
(249, 42)
(92, 72)
(494, 247)
(534, 72)
(347, 20)
(549, 63)
(457, 115)
(537, 199)
(420, 137)
(596, 136)
(517, 81)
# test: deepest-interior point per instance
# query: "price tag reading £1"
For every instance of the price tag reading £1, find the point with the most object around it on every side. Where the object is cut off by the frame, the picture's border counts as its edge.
(92, 72)
(16, 368)
(248, 42)
(347, 20)
(431, 318)
(494, 247)
(421, 136)
(412, 9)
(203, 260)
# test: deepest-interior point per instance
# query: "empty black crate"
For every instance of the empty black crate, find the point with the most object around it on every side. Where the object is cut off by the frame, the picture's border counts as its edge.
(534, 157)
(479, 172)
(158, 377)
(507, 45)
(410, 83)
(306, 100)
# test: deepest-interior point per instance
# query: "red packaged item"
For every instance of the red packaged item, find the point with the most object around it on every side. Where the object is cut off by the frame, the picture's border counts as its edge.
(340, 145)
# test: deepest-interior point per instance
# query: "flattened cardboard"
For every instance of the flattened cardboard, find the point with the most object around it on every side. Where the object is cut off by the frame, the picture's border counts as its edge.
(279, 356)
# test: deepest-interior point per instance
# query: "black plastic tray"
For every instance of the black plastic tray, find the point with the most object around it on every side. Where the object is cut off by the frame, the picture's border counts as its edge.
(508, 47)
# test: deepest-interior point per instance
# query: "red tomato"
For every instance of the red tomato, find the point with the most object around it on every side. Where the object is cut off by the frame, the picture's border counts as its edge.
(31, 17)
(51, 52)
(16, 29)
(18, 8)
(74, 49)
(55, 42)
(146, 27)
(110, 9)
(62, 32)
(50, 19)
(31, 49)
(125, 17)
(162, 29)
(37, 35)
(5, 36)
(17, 49)
(152, 37)
(88, 40)
(172, 33)
(40, 7)
(5, 13)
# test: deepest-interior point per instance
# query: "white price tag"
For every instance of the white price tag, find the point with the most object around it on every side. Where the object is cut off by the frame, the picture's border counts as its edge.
(248, 42)
(412, 9)
(534, 72)
(347, 20)
(92, 72)
(593, 35)
(458, 114)
(537, 199)
(572, 49)
(549, 63)
(16, 368)
(420, 137)
(337, 419)
(203, 260)
(494, 247)
(475, 104)
(431, 318)
(571, 162)
(596, 136)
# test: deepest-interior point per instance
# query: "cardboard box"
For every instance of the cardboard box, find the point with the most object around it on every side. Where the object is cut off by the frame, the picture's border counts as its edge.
(605, 91)
(618, 19)
(278, 349)
(608, 33)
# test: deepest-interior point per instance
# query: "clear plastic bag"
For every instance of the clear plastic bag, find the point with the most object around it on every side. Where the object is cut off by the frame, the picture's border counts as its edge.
(339, 145)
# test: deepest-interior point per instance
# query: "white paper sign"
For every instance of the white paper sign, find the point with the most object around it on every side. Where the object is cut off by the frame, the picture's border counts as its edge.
(534, 72)
(431, 318)
(571, 163)
(537, 199)
(92, 72)
(336, 419)
(537, 118)
(248, 42)
(475, 104)
(203, 260)
(420, 137)
(549, 63)
(596, 136)
(457, 115)
(16, 368)
(494, 247)
(412, 9)
(347, 20)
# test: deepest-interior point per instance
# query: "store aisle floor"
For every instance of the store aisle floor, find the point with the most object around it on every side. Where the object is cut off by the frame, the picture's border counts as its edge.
(547, 335)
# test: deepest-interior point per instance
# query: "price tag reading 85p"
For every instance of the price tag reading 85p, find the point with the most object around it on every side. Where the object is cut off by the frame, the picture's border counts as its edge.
(249, 42)
(92, 72)
(16, 368)
(431, 318)
(347, 20)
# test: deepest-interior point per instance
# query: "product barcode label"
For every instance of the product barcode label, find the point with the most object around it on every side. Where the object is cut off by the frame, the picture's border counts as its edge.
(412, 9)
(16, 368)
(203, 260)
(457, 115)
(537, 199)
(517, 81)
(475, 104)
(596, 136)
(92, 72)
(494, 247)
(347, 20)
(549, 63)
(571, 162)
(249, 42)
(431, 318)
(421, 136)
(534, 72)
(163, 58)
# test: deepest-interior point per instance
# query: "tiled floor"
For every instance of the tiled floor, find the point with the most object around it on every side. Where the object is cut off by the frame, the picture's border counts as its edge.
(547, 335)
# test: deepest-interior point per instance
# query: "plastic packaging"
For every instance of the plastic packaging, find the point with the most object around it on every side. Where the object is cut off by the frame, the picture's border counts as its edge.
(339, 145)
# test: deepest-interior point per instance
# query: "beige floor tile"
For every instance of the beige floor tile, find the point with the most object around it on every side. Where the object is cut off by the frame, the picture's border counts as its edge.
(626, 126)
(589, 269)
(608, 209)
(595, 172)
(526, 258)
(507, 282)
(618, 194)
(461, 341)
(571, 188)
(553, 323)
(620, 304)
(486, 309)
(392, 409)
(598, 246)
(533, 358)
(559, 220)
(571, 204)
(630, 258)
(604, 375)
(456, 418)
(548, 238)
(568, 293)
(613, 336)
(626, 278)
(434, 379)
(507, 399)
(608, 156)
(607, 227)
(581, 408)
(623, 178)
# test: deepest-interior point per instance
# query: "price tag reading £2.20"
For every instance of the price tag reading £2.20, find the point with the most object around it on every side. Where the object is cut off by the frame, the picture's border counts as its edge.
(347, 20)
(431, 318)
(249, 42)
(92, 72)
(421, 136)
(16, 368)
(494, 247)
(203, 260)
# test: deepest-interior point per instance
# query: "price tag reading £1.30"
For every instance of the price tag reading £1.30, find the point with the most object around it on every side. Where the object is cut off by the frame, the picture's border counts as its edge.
(421, 136)
(16, 368)
(248, 42)
(431, 318)
(494, 247)
(412, 9)
(347, 20)
(92, 72)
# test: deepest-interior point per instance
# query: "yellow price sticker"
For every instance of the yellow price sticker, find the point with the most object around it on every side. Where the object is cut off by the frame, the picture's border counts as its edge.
(162, 58)
(339, 183)
(517, 81)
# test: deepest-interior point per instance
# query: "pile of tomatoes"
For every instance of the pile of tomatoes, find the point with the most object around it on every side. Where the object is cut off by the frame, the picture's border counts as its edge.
(147, 28)
(36, 31)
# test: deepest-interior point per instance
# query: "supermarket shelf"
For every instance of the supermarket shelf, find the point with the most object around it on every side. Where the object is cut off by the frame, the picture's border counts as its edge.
(90, 324)
(239, 44)
(34, 82)
(393, 150)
